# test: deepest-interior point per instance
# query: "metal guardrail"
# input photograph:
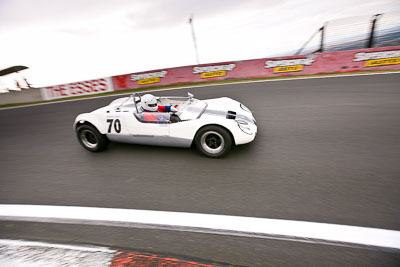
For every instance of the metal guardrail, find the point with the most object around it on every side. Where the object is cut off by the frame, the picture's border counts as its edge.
(351, 33)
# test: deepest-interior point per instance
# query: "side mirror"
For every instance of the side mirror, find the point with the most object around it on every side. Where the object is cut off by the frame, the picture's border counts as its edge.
(190, 95)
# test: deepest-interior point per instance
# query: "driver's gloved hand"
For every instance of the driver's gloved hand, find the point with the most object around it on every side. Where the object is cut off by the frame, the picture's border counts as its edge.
(174, 109)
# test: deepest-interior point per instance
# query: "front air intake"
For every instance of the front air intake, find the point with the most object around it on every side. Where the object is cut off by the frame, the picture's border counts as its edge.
(231, 115)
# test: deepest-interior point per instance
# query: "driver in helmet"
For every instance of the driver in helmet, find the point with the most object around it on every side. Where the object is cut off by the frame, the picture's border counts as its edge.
(150, 105)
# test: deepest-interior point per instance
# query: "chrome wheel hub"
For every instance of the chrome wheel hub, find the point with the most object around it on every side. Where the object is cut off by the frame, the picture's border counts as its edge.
(212, 142)
(88, 138)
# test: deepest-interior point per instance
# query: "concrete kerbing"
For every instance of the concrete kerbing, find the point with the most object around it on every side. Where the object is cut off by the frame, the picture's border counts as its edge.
(36, 254)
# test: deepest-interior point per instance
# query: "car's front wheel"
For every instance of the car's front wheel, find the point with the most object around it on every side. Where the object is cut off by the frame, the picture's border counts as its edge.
(91, 139)
(213, 141)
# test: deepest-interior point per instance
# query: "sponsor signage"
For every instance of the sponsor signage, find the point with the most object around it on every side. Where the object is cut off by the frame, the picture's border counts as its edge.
(328, 62)
(76, 89)
(375, 59)
(288, 69)
(289, 65)
(148, 78)
(213, 71)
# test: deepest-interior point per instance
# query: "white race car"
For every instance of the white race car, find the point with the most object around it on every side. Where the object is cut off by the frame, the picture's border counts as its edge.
(212, 125)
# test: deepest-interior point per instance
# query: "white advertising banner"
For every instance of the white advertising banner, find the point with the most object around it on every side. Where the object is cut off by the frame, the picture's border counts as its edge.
(91, 87)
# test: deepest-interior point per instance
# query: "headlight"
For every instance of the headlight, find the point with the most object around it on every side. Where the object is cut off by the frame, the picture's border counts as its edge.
(243, 125)
(245, 108)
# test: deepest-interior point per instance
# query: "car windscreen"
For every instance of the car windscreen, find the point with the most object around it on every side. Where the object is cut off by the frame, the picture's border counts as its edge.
(192, 109)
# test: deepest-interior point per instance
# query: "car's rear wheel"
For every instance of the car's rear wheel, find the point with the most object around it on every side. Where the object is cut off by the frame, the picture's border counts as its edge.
(213, 141)
(91, 139)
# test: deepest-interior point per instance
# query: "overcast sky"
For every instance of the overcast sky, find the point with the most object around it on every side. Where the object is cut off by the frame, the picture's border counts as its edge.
(65, 41)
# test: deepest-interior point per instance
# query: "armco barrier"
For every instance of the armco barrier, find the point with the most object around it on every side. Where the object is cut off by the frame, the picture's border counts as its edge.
(382, 58)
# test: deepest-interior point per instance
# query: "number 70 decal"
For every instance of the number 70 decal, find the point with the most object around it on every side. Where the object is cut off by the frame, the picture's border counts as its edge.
(117, 125)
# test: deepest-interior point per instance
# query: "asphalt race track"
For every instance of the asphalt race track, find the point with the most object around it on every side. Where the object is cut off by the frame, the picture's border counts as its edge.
(327, 150)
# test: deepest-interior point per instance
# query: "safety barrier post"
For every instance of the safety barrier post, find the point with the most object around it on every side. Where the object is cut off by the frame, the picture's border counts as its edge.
(370, 42)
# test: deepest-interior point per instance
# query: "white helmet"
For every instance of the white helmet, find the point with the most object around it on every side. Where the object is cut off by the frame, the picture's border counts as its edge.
(149, 102)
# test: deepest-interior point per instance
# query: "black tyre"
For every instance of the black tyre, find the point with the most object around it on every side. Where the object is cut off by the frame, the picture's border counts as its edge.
(213, 141)
(91, 139)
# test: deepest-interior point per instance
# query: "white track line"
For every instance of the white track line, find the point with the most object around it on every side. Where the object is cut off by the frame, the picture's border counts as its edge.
(207, 223)
(208, 85)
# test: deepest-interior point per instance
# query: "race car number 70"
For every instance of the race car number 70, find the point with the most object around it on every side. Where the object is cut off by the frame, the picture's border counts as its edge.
(117, 125)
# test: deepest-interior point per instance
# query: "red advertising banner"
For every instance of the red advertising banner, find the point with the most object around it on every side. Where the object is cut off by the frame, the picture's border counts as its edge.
(381, 58)
(178, 75)
(76, 89)
(329, 62)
